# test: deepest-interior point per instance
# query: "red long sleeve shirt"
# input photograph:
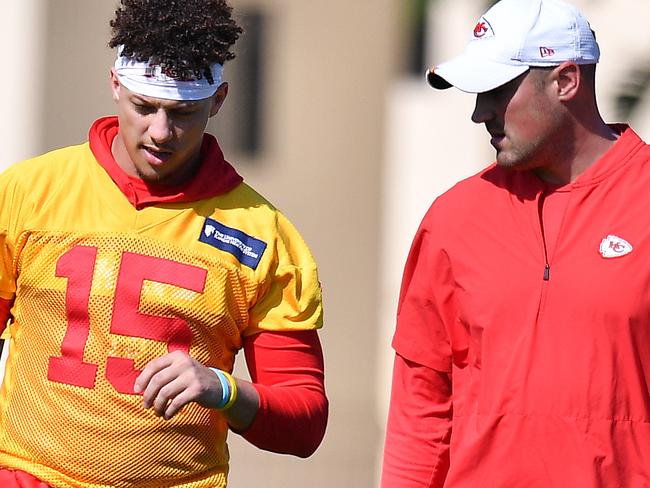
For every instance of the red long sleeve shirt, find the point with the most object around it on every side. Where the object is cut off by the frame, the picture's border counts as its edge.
(419, 427)
(287, 370)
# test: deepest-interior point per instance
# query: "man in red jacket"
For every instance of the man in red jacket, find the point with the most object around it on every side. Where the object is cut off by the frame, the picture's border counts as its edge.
(523, 339)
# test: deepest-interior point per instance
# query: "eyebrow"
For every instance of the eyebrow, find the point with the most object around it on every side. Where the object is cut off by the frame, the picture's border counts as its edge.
(153, 101)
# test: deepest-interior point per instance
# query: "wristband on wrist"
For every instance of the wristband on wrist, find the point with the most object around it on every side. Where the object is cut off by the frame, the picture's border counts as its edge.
(233, 391)
(228, 389)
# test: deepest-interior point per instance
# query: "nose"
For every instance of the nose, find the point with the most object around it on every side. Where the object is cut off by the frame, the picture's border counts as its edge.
(160, 127)
(483, 109)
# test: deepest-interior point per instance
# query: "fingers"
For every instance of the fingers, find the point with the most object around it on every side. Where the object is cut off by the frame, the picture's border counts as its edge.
(172, 397)
(170, 382)
(152, 368)
(174, 404)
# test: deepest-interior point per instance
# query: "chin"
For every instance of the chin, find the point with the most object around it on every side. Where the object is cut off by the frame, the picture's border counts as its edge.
(512, 161)
(516, 165)
(506, 163)
(149, 176)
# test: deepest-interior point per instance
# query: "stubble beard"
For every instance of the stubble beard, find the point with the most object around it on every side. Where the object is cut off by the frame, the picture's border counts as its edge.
(519, 159)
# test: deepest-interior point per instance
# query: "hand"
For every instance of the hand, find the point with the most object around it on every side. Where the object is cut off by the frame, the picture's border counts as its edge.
(172, 381)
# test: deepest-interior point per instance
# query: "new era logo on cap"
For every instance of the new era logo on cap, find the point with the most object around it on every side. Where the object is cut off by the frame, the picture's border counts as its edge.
(546, 52)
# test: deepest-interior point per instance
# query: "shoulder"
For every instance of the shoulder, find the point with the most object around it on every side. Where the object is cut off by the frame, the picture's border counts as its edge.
(27, 186)
(469, 196)
(51, 165)
(245, 208)
(246, 197)
(250, 216)
(253, 209)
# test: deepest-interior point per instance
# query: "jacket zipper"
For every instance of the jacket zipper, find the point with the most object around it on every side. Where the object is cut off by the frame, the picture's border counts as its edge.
(547, 266)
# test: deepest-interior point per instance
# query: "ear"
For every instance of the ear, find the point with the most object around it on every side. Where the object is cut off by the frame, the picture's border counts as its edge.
(115, 86)
(568, 80)
(218, 98)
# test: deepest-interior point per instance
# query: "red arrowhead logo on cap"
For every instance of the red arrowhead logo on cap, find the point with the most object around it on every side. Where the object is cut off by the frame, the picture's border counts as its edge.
(481, 29)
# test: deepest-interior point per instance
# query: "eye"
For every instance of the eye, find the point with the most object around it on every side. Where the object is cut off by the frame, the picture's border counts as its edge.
(185, 112)
(143, 108)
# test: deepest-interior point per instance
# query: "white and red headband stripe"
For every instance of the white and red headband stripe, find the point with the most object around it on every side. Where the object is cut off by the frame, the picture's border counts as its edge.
(149, 80)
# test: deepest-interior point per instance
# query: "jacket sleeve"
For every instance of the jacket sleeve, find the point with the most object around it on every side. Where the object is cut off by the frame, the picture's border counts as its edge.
(429, 340)
(429, 330)
(416, 451)
(288, 373)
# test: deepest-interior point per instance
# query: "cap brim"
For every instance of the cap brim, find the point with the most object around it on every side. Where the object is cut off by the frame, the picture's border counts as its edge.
(437, 81)
(472, 74)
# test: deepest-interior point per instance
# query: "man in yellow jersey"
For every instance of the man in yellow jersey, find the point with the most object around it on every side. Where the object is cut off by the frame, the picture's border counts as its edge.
(135, 266)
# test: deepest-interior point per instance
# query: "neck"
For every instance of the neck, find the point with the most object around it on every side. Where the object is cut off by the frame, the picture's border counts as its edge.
(580, 146)
(121, 156)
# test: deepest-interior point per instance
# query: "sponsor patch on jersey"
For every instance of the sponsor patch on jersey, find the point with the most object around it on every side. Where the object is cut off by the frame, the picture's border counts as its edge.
(613, 247)
(247, 249)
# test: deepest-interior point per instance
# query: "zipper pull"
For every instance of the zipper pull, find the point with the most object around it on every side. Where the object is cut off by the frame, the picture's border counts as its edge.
(547, 272)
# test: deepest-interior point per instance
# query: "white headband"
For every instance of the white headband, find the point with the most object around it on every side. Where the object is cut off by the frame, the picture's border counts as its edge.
(149, 80)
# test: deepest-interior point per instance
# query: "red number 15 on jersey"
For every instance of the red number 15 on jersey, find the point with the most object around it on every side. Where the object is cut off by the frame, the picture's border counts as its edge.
(78, 265)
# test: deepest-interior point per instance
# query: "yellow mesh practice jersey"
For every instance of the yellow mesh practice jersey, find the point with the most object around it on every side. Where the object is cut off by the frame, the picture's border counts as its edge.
(101, 288)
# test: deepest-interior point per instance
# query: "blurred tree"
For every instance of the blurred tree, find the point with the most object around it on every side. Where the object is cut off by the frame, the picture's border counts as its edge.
(416, 27)
(635, 88)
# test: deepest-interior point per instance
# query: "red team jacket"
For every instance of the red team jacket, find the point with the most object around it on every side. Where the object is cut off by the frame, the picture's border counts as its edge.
(535, 301)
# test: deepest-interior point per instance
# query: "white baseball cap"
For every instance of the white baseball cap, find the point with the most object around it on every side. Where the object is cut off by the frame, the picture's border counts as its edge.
(513, 36)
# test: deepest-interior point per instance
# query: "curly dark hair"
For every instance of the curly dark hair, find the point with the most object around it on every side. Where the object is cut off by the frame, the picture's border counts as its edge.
(184, 37)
